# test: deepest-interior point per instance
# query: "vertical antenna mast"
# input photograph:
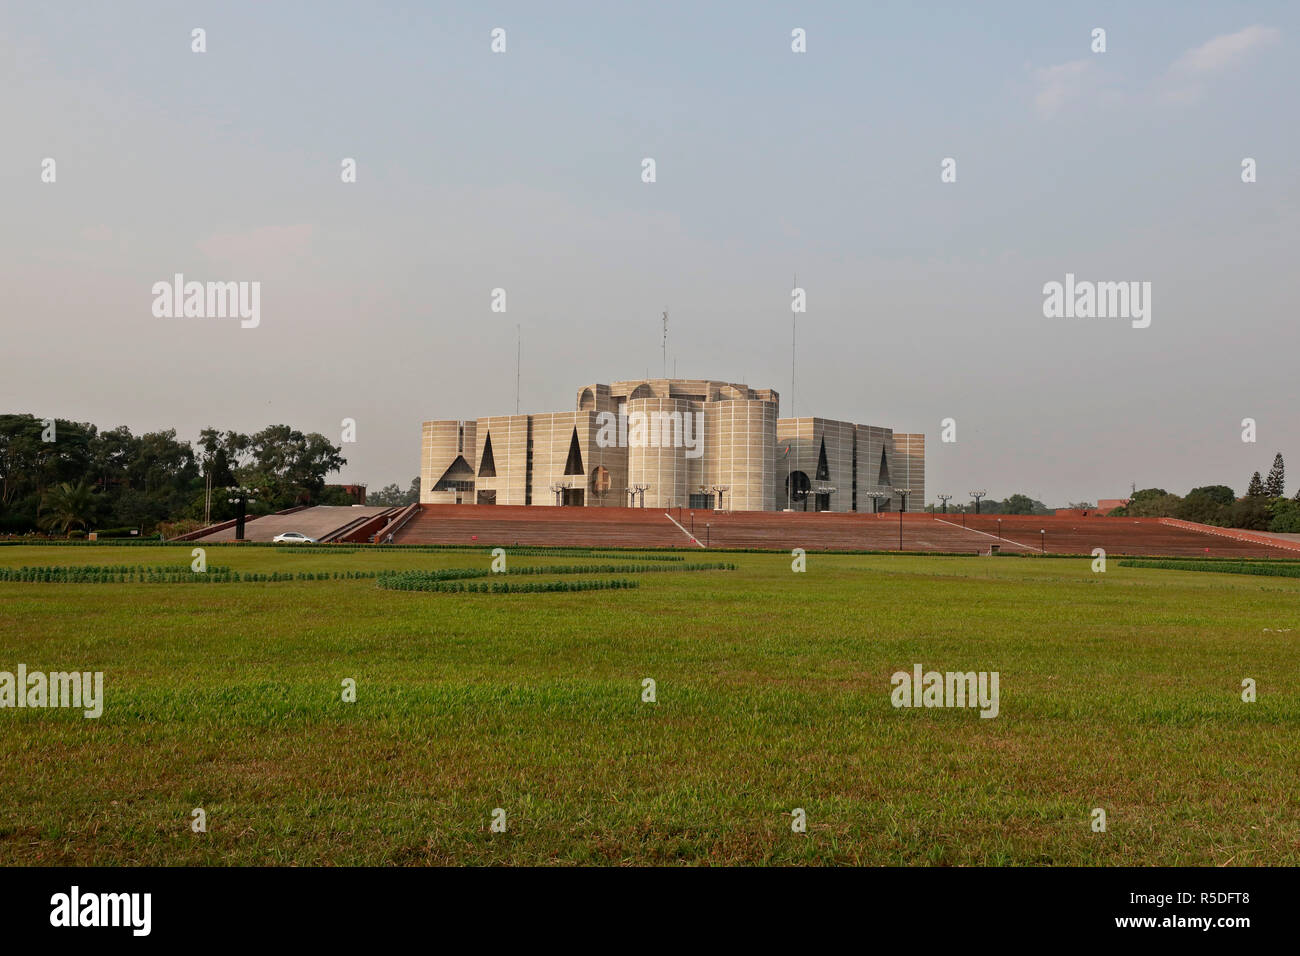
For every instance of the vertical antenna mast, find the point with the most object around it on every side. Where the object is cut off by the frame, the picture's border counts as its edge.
(665, 346)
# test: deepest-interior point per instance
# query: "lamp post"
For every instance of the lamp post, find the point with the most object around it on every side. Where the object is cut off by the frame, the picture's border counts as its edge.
(902, 494)
(707, 526)
(819, 490)
(944, 499)
(640, 490)
(999, 527)
(1043, 546)
(977, 495)
(240, 497)
(558, 488)
(721, 490)
(875, 497)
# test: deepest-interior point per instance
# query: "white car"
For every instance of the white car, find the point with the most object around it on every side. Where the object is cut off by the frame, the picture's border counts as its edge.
(292, 537)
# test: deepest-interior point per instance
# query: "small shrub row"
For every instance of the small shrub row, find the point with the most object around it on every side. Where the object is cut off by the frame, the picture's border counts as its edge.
(639, 557)
(508, 587)
(626, 568)
(411, 580)
(1273, 569)
(441, 574)
(314, 549)
(42, 541)
(121, 568)
(122, 575)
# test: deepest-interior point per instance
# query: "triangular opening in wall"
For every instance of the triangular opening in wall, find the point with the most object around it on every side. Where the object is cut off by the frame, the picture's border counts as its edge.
(884, 471)
(574, 464)
(487, 466)
(459, 470)
(823, 470)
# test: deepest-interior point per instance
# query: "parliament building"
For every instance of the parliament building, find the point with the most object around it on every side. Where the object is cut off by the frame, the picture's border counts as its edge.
(669, 443)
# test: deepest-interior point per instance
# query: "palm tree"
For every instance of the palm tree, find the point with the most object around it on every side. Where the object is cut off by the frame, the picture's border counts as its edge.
(67, 505)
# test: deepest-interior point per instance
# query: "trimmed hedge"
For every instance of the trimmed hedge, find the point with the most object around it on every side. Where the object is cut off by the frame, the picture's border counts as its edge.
(411, 580)
(629, 568)
(124, 574)
(506, 587)
(1272, 569)
(305, 548)
(392, 580)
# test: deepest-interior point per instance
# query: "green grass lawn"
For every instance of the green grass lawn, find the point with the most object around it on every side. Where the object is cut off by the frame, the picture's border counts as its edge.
(1119, 690)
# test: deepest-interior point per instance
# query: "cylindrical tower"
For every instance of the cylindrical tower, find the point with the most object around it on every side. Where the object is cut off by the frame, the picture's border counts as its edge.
(658, 433)
(742, 453)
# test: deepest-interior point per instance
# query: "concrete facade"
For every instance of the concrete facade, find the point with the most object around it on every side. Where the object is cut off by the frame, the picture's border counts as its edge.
(668, 443)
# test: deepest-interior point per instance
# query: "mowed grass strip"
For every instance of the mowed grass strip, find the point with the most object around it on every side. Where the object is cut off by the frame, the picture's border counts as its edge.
(1118, 690)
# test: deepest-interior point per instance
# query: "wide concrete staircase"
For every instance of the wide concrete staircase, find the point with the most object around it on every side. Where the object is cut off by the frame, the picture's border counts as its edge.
(491, 525)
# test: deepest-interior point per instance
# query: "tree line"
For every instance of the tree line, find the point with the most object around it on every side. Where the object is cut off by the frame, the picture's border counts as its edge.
(1264, 507)
(64, 476)
(1018, 504)
(391, 496)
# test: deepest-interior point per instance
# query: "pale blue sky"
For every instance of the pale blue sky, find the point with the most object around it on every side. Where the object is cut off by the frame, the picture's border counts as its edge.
(522, 170)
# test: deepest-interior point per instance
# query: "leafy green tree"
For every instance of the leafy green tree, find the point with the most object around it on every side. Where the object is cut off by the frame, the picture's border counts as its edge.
(1285, 516)
(1018, 505)
(144, 479)
(386, 497)
(1144, 495)
(160, 461)
(29, 464)
(289, 467)
(1163, 505)
(67, 458)
(1204, 508)
(1251, 513)
(139, 509)
(1221, 494)
(20, 452)
(111, 454)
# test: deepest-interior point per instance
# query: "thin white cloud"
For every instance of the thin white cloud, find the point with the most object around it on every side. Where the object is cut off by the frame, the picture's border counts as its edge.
(1188, 75)
(1225, 50)
(1057, 85)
